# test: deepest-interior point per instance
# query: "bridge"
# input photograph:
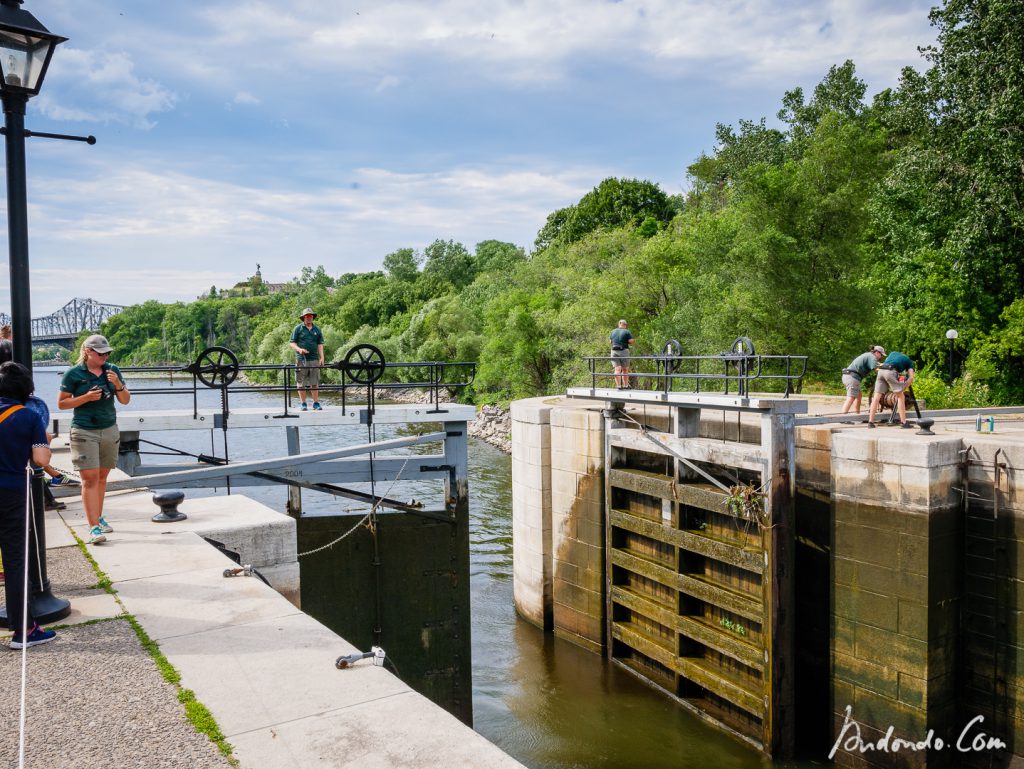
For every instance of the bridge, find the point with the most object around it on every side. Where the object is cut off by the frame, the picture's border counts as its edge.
(64, 326)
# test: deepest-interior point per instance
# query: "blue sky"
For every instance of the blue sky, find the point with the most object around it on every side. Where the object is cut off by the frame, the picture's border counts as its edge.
(237, 132)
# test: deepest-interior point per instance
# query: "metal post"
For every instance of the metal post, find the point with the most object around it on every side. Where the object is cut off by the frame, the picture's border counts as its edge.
(294, 505)
(17, 227)
(951, 361)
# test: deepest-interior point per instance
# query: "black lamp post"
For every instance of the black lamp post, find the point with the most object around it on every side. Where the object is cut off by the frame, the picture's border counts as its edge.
(26, 47)
(951, 335)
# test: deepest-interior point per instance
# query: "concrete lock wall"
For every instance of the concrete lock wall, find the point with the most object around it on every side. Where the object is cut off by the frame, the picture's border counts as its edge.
(915, 618)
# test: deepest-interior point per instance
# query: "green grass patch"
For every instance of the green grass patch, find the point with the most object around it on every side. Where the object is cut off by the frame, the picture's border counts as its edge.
(198, 714)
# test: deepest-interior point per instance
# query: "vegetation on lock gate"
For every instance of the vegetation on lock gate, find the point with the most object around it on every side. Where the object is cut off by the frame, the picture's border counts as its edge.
(852, 221)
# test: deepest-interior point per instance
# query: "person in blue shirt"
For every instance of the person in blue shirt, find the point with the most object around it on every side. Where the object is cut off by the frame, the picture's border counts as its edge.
(22, 438)
(307, 341)
(859, 368)
(895, 374)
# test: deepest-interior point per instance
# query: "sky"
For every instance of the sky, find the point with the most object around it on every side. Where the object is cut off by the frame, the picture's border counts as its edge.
(232, 133)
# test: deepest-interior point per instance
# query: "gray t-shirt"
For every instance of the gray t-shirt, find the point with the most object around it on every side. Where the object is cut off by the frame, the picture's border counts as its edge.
(864, 364)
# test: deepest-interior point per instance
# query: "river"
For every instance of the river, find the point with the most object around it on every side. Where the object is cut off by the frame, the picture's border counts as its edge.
(545, 701)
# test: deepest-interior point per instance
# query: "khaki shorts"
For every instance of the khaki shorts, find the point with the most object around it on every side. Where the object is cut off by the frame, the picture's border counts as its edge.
(307, 373)
(888, 380)
(620, 358)
(91, 449)
(852, 385)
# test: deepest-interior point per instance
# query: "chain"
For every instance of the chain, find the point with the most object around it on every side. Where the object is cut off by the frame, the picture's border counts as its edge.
(365, 520)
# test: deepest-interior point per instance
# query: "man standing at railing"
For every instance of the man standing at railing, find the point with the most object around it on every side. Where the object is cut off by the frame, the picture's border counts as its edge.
(621, 340)
(308, 342)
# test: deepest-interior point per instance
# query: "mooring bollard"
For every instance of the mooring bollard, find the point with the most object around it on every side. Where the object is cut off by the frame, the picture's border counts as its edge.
(168, 502)
(926, 426)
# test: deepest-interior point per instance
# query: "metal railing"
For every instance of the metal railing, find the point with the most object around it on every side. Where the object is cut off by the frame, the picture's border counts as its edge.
(364, 380)
(734, 372)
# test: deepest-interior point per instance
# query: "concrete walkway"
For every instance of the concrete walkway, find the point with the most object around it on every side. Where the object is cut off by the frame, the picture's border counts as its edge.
(264, 669)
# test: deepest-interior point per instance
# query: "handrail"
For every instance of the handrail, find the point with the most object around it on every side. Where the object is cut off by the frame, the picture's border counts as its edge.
(738, 368)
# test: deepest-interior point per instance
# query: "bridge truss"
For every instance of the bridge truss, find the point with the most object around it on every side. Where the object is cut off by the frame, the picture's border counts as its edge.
(69, 321)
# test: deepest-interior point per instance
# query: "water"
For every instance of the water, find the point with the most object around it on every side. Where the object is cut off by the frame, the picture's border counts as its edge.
(545, 701)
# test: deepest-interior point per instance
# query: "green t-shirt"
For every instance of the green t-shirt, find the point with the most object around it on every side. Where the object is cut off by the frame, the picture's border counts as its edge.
(899, 361)
(94, 415)
(864, 364)
(620, 338)
(308, 339)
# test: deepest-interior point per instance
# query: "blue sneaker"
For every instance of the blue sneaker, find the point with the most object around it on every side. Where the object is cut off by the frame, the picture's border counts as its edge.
(35, 637)
(105, 527)
(64, 480)
(304, 406)
(316, 406)
(96, 535)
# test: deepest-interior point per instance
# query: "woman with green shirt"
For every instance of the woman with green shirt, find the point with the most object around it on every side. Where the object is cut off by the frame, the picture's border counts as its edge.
(90, 388)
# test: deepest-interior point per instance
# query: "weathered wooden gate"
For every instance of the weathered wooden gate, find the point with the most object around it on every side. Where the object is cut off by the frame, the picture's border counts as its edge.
(700, 558)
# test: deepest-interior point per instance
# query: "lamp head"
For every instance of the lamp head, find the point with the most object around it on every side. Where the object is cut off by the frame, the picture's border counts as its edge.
(25, 49)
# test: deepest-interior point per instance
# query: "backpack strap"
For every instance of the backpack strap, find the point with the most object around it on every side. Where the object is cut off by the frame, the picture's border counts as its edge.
(10, 411)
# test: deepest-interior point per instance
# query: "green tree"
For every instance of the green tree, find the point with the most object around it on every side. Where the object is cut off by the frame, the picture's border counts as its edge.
(402, 265)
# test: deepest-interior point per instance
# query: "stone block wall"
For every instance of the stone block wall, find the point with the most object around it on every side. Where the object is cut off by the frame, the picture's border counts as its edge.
(531, 509)
(577, 525)
(895, 590)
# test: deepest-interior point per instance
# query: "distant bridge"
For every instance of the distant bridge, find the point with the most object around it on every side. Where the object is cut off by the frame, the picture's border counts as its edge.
(64, 326)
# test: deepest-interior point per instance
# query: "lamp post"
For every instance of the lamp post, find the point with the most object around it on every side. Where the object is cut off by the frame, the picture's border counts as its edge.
(951, 335)
(26, 47)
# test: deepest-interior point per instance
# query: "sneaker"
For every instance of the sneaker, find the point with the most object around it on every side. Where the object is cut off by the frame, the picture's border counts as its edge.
(906, 426)
(96, 535)
(304, 407)
(316, 406)
(64, 480)
(35, 637)
(55, 505)
(105, 527)
(871, 424)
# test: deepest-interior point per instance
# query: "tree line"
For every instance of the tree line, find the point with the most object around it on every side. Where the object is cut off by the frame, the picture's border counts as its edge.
(852, 221)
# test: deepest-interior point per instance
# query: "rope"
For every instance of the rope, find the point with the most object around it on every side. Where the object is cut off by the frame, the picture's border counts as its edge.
(365, 518)
(24, 624)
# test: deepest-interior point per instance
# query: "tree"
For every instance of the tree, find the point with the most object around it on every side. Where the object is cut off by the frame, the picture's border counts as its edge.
(497, 255)
(447, 266)
(402, 265)
(613, 203)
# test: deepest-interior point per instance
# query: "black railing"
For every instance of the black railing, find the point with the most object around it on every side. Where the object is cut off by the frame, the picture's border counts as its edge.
(691, 373)
(364, 380)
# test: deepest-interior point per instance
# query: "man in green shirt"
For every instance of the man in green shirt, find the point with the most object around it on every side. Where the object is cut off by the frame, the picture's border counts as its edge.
(308, 342)
(895, 374)
(621, 340)
(859, 368)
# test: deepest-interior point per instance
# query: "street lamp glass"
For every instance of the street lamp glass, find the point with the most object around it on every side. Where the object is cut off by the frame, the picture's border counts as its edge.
(952, 334)
(25, 49)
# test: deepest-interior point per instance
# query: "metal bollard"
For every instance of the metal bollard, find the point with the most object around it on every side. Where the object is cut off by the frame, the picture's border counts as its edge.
(168, 501)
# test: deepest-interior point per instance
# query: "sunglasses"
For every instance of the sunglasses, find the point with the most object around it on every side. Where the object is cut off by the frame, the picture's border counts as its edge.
(103, 354)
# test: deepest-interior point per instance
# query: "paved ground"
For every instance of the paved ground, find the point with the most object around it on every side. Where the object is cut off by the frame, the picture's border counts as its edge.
(95, 697)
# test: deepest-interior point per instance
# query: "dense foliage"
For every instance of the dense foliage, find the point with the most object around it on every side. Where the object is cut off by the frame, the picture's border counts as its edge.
(854, 222)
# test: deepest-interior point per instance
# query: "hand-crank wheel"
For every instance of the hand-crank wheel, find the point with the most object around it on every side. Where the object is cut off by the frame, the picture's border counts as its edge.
(364, 364)
(742, 346)
(215, 367)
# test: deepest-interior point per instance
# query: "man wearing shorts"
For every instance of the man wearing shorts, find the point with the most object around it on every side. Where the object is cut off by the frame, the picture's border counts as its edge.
(621, 339)
(308, 342)
(859, 368)
(896, 374)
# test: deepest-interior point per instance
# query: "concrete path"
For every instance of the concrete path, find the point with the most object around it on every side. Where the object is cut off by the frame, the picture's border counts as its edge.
(263, 668)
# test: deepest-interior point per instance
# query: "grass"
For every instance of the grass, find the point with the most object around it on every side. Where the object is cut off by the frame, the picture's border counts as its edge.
(197, 713)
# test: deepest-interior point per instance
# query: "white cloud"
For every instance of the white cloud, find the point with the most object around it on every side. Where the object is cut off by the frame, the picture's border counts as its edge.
(244, 97)
(105, 89)
(149, 232)
(536, 41)
(388, 81)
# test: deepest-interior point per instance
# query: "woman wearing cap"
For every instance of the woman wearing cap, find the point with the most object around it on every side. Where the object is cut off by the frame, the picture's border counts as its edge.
(859, 368)
(90, 388)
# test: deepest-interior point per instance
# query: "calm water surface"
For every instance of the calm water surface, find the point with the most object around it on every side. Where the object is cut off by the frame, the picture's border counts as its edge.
(546, 702)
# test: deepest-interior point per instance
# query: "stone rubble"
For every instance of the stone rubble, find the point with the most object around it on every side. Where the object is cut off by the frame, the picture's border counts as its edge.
(493, 424)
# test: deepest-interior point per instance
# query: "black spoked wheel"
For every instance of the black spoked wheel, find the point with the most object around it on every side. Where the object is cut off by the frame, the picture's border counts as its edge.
(364, 364)
(215, 367)
(742, 346)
